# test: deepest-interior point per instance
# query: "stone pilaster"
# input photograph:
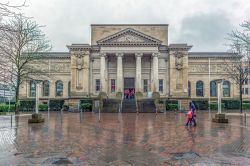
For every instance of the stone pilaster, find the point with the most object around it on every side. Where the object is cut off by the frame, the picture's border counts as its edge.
(103, 71)
(138, 85)
(178, 70)
(155, 72)
(119, 72)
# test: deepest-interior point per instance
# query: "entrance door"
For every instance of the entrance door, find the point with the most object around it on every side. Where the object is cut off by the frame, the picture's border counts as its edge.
(129, 88)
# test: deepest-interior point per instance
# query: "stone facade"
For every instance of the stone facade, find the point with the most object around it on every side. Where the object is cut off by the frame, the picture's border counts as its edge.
(136, 57)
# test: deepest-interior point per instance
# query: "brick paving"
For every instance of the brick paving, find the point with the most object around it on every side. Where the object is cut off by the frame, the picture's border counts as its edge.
(124, 139)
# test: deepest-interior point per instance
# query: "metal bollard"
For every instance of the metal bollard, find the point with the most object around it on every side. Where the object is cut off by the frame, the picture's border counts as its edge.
(11, 120)
(99, 116)
(81, 116)
(61, 116)
(245, 117)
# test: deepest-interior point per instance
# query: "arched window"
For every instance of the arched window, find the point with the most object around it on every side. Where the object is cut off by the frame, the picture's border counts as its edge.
(226, 89)
(32, 89)
(59, 88)
(213, 89)
(189, 89)
(45, 88)
(199, 88)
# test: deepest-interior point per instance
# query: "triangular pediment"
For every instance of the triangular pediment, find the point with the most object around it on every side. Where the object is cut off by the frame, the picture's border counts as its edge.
(129, 37)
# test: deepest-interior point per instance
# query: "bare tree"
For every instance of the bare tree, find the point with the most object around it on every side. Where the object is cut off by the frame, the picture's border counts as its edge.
(9, 10)
(238, 67)
(19, 50)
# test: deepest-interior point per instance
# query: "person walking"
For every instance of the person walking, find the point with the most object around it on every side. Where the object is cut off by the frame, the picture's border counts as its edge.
(192, 106)
(189, 116)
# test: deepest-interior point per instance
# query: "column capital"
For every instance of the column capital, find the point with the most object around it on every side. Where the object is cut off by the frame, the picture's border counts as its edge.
(155, 54)
(119, 54)
(103, 54)
(138, 54)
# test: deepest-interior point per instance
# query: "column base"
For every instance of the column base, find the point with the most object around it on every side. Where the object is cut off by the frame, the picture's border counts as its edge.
(36, 118)
(220, 118)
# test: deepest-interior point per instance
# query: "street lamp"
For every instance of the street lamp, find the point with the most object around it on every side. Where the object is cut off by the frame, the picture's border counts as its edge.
(219, 82)
(219, 117)
(37, 118)
(37, 94)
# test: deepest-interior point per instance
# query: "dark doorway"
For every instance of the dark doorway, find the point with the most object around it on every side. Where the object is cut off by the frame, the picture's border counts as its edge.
(129, 88)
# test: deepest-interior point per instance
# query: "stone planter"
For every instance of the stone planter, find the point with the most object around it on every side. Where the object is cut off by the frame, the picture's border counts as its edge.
(36, 118)
(220, 118)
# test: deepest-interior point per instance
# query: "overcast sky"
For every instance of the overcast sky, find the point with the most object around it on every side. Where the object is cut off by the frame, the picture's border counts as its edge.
(201, 23)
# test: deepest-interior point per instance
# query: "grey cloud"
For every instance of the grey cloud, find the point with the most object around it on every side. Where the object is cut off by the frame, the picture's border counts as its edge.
(206, 32)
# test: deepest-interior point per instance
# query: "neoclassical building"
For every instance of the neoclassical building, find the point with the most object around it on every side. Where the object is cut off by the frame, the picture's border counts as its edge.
(134, 57)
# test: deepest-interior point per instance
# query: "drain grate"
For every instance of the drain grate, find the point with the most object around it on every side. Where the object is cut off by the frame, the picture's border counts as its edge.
(185, 155)
(57, 161)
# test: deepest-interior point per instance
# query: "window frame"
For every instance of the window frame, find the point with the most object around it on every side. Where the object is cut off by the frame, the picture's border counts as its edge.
(199, 90)
(112, 85)
(59, 93)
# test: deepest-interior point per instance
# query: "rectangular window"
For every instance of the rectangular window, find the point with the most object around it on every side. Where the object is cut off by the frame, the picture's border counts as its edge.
(145, 85)
(246, 91)
(112, 85)
(32, 89)
(243, 91)
(97, 85)
(161, 85)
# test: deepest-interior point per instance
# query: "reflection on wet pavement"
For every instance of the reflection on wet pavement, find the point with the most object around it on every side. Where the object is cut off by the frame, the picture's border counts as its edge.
(125, 139)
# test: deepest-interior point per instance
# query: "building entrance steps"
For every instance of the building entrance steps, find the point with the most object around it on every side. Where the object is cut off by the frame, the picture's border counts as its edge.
(129, 106)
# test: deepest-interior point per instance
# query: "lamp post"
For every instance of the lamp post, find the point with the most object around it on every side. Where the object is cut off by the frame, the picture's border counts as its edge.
(219, 117)
(37, 94)
(37, 118)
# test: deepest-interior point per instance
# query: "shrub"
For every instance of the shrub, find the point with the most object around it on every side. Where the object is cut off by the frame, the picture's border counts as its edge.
(201, 104)
(172, 107)
(231, 104)
(5, 107)
(65, 107)
(172, 102)
(102, 95)
(86, 106)
(246, 106)
(156, 95)
(27, 105)
(56, 104)
(214, 106)
(139, 96)
(43, 107)
(119, 95)
(246, 101)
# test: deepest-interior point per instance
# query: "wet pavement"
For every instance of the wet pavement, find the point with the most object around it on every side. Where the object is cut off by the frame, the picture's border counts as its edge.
(124, 139)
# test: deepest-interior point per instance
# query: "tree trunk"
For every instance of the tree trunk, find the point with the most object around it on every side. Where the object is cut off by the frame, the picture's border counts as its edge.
(241, 98)
(17, 95)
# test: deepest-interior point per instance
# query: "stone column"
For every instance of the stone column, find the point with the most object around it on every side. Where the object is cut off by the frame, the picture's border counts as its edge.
(138, 72)
(155, 72)
(102, 71)
(119, 79)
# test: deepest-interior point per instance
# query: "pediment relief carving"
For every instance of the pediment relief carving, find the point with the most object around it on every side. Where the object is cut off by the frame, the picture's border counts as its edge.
(129, 37)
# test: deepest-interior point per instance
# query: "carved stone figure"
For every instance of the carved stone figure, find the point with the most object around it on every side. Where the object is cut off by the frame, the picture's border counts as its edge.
(178, 60)
(128, 38)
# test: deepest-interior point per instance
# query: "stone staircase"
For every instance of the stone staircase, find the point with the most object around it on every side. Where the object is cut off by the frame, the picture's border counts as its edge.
(128, 106)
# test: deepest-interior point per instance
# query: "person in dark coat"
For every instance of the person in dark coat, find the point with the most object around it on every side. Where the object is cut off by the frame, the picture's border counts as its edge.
(192, 106)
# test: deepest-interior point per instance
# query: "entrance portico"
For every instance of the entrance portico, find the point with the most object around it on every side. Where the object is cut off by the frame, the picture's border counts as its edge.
(129, 65)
